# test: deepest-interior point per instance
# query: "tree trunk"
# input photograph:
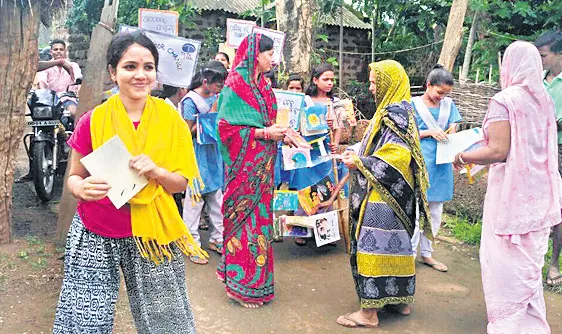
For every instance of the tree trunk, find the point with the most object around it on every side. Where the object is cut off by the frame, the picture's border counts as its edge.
(469, 46)
(294, 17)
(19, 31)
(90, 97)
(453, 34)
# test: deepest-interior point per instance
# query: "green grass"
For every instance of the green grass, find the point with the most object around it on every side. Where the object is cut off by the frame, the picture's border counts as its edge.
(464, 230)
(469, 233)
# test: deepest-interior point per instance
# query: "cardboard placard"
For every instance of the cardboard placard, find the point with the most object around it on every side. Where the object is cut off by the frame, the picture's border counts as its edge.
(162, 21)
(236, 31)
(278, 38)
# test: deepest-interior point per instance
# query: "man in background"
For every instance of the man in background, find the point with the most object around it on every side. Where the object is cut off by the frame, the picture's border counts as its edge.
(58, 77)
(550, 48)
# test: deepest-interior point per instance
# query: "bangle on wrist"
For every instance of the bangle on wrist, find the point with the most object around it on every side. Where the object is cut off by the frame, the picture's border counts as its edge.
(265, 134)
(461, 159)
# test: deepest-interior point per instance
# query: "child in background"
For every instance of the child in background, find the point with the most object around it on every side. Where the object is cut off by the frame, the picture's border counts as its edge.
(224, 59)
(319, 92)
(295, 83)
(205, 86)
(436, 115)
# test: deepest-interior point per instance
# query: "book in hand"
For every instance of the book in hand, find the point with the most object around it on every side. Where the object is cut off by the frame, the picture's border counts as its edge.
(207, 128)
(295, 157)
(110, 162)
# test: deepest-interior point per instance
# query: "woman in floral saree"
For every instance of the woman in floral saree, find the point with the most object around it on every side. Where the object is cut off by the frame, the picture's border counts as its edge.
(248, 137)
(389, 183)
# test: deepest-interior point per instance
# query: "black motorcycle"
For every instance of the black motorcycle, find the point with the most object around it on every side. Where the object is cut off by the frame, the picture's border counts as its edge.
(46, 147)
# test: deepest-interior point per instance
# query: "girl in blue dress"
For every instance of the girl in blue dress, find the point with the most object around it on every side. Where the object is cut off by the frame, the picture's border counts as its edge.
(437, 115)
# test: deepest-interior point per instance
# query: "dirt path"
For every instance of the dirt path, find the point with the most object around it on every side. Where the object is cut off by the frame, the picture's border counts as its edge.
(313, 287)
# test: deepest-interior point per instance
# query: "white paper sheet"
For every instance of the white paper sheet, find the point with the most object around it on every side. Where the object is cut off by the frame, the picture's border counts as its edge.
(458, 142)
(110, 162)
(326, 228)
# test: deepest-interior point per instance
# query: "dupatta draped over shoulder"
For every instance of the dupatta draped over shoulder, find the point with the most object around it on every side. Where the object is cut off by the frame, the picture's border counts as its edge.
(524, 193)
(387, 189)
(247, 103)
(395, 114)
(164, 136)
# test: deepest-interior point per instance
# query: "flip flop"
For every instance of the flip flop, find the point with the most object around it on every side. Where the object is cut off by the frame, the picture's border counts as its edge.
(198, 260)
(554, 281)
(357, 323)
(301, 241)
(434, 266)
(216, 247)
(396, 309)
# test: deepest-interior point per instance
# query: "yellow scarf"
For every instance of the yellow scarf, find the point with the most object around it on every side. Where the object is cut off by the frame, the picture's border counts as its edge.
(166, 139)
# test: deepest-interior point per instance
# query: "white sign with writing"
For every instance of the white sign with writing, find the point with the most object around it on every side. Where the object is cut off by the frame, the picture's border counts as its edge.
(278, 38)
(177, 57)
(237, 30)
(163, 21)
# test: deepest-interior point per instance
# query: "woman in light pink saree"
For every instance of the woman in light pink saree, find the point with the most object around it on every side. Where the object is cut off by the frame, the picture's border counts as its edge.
(523, 199)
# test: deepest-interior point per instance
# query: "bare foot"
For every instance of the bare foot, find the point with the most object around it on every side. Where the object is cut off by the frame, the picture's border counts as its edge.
(429, 261)
(243, 303)
(553, 278)
(403, 309)
(363, 318)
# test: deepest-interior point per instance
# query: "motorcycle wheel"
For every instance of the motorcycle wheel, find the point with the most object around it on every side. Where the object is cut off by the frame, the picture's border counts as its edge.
(43, 173)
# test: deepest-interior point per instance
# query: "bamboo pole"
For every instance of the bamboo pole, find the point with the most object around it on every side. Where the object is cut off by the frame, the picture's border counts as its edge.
(477, 75)
(490, 74)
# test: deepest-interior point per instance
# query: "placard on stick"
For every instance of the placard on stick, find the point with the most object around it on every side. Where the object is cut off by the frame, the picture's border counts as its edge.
(178, 56)
(236, 31)
(162, 21)
(278, 38)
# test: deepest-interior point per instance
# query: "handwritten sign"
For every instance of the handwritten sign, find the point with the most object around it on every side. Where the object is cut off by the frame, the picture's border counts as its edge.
(294, 102)
(178, 57)
(162, 21)
(278, 38)
(236, 31)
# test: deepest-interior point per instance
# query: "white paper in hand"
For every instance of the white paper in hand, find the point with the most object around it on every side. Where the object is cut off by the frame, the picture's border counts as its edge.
(110, 162)
(458, 142)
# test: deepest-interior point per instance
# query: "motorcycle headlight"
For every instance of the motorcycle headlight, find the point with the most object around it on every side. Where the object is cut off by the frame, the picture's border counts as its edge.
(42, 112)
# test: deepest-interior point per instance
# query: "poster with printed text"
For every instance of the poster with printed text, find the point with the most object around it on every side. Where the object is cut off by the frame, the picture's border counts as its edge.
(162, 21)
(278, 38)
(178, 57)
(236, 31)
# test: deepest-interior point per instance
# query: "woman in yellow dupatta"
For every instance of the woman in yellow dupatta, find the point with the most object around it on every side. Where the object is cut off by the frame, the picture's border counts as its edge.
(145, 237)
(388, 184)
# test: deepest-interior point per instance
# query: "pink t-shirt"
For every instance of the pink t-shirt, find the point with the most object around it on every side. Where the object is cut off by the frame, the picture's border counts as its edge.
(100, 217)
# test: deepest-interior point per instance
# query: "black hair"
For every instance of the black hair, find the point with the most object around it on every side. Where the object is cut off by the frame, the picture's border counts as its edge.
(312, 89)
(553, 39)
(122, 41)
(271, 75)
(168, 91)
(440, 76)
(213, 71)
(58, 41)
(158, 93)
(295, 77)
(266, 43)
(224, 54)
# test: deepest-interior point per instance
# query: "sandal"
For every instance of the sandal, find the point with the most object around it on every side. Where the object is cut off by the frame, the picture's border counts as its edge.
(198, 260)
(398, 308)
(301, 241)
(204, 226)
(554, 281)
(436, 265)
(216, 247)
(356, 323)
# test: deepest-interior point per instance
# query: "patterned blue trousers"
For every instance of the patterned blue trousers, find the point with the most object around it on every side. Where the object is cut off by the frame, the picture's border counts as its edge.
(157, 294)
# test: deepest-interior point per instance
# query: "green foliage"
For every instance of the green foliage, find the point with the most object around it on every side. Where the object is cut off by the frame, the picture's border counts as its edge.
(85, 14)
(265, 10)
(464, 230)
(213, 37)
